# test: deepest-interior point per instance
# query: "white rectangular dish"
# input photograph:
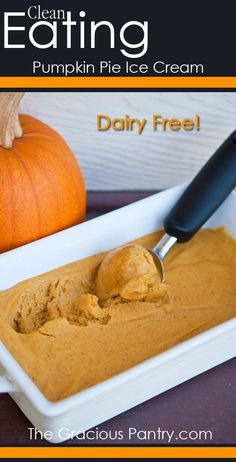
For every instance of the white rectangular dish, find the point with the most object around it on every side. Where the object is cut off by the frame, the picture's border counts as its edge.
(144, 381)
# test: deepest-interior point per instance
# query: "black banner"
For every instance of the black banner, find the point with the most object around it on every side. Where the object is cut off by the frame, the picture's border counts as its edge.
(125, 38)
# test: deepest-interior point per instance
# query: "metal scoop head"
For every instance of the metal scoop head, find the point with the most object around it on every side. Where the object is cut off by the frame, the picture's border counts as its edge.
(160, 250)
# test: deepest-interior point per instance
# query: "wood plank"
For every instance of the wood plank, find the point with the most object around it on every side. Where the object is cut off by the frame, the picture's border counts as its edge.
(128, 161)
(99, 202)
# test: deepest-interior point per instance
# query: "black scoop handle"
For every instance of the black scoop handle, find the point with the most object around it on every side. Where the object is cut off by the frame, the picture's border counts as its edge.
(205, 193)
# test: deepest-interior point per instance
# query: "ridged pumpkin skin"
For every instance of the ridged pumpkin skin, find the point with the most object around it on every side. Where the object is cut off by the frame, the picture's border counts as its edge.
(41, 186)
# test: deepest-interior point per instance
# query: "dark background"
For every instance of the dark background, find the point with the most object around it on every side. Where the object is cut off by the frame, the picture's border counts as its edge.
(179, 32)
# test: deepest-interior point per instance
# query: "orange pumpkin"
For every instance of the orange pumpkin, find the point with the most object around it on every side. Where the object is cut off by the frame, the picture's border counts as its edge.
(41, 186)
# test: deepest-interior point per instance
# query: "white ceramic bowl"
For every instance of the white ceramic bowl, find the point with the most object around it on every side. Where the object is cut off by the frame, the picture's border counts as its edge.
(156, 375)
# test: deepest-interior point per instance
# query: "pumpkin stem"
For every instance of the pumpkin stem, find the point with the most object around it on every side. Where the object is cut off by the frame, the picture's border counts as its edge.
(10, 127)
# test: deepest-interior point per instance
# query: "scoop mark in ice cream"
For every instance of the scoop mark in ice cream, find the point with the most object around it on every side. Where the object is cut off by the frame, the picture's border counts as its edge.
(127, 273)
(30, 316)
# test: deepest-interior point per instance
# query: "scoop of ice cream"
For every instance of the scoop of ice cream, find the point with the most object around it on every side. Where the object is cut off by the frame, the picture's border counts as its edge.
(147, 288)
(128, 272)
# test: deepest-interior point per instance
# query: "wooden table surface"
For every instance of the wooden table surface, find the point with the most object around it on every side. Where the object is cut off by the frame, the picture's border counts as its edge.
(207, 402)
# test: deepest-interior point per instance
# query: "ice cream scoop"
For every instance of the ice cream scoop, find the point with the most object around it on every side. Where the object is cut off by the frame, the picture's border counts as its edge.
(128, 263)
(196, 205)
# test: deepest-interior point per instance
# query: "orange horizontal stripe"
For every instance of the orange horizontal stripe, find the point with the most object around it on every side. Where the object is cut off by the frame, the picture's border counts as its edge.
(122, 452)
(117, 82)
